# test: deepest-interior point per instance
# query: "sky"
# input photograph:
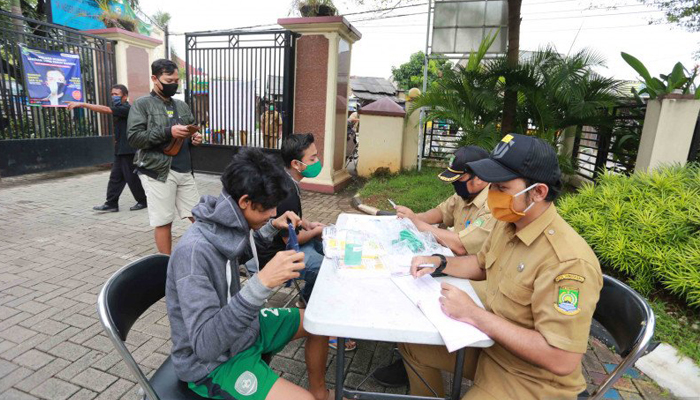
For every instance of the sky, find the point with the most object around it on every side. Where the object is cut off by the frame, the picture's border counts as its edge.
(390, 39)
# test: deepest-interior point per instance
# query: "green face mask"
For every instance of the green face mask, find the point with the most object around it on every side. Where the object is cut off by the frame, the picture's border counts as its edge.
(312, 170)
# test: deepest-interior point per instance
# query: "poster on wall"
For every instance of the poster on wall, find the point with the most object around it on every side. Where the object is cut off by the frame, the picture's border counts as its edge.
(52, 78)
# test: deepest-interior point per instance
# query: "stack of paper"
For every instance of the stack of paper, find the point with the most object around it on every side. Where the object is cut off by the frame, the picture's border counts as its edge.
(424, 292)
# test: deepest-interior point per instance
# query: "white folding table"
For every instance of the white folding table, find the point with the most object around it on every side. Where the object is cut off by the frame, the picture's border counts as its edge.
(371, 308)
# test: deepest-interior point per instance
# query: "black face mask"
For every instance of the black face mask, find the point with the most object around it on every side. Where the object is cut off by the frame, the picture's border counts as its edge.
(168, 89)
(461, 189)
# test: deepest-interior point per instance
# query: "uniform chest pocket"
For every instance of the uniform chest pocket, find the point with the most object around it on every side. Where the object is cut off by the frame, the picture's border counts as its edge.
(513, 302)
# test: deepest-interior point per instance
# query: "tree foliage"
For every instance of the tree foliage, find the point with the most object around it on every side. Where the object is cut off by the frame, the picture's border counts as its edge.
(410, 74)
(685, 13)
(554, 91)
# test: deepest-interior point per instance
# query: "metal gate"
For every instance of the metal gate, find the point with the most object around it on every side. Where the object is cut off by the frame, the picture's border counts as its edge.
(32, 138)
(240, 87)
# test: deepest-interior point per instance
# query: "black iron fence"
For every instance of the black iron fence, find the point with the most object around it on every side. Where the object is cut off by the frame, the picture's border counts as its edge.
(440, 139)
(613, 146)
(18, 119)
(240, 86)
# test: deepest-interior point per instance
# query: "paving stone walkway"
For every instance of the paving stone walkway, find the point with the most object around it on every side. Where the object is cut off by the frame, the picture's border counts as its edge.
(55, 254)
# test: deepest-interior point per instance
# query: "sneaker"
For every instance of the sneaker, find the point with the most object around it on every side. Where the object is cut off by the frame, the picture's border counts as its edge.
(393, 375)
(138, 206)
(106, 208)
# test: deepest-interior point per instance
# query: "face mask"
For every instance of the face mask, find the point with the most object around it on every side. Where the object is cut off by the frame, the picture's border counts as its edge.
(168, 89)
(462, 190)
(312, 170)
(116, 100)
(501, 205)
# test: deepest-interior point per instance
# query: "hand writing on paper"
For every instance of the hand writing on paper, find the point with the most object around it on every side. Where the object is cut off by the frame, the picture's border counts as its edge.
(405, 212)
(457, 304)
(417, 272)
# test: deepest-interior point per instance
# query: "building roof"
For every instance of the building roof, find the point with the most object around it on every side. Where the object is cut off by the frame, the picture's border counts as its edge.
(371, 89)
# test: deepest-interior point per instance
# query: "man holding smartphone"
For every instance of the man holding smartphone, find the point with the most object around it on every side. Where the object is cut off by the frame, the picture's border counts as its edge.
(162, 129)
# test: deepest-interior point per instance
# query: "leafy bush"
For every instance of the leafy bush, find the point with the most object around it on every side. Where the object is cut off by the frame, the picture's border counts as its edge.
(646, 225)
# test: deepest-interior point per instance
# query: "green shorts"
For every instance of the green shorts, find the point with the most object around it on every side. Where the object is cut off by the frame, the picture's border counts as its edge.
(246, 375)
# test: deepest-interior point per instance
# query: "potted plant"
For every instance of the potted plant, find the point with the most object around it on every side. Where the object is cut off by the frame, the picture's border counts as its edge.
(113, 19)
(315, 8)
(671, 115)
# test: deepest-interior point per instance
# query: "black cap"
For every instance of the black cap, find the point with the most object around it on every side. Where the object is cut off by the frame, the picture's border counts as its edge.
(460, 159)
(519, 156)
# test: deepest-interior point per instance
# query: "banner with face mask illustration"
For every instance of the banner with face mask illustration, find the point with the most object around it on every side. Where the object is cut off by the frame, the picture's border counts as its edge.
(52, 78)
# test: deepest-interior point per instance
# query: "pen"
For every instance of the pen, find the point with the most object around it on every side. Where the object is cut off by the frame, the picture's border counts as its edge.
(426, 265)
(392, 203)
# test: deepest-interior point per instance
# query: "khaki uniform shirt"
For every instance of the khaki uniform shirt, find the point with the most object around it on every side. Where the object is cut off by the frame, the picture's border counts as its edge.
(545, 278)
(272, 120)
(470, 219)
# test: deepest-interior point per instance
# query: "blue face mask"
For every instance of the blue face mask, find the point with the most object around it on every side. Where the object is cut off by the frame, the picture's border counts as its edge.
(116, 100)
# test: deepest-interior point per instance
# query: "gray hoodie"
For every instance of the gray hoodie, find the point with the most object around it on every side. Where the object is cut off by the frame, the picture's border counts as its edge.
(211, 317)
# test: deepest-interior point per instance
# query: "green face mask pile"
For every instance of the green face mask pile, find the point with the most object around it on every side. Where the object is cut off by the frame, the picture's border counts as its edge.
(409, 240)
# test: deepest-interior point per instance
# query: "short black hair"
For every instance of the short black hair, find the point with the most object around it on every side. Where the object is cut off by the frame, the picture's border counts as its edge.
(552, 194)
(293, 147)
(258, 175)
(124, 90)
(163, 66)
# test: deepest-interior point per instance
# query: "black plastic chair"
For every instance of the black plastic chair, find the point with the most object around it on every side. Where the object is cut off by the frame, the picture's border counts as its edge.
(624, 321)
(123, 298)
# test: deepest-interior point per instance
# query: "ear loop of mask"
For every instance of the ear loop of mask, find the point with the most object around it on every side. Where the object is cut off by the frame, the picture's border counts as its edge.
(525, 191)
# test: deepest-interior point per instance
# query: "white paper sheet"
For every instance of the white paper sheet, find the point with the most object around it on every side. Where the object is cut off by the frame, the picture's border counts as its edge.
(424, 292)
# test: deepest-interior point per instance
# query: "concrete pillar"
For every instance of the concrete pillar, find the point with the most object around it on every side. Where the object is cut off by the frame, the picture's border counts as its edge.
(411, 131)
(133, 55)
(381, 141)
(322, 84)
(668, 132)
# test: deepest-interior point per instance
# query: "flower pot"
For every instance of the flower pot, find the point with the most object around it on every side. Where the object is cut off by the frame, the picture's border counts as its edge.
(325, 11)
(307, 11)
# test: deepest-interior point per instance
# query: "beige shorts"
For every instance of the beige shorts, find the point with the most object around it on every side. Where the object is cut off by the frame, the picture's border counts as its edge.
(176, 196)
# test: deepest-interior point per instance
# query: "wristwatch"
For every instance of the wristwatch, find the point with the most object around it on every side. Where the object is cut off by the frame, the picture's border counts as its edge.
(441, 267)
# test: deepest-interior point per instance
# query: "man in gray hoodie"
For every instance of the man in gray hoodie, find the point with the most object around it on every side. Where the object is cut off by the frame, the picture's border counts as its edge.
(219, 329)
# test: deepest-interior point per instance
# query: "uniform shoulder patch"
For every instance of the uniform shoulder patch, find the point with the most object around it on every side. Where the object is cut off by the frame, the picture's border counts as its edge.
(570, 277)
(567, 301)
(479, 222)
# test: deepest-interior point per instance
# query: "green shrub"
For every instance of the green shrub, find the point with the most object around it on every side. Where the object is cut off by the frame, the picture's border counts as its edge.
(646, 226)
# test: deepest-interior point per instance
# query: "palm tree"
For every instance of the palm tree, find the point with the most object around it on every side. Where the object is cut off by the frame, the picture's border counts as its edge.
(469, 97)
(161, 18)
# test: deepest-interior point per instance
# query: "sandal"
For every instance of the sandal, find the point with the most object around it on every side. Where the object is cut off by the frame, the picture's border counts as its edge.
(350, 345)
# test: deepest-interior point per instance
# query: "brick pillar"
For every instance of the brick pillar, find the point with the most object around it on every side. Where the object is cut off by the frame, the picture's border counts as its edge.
(322, 84)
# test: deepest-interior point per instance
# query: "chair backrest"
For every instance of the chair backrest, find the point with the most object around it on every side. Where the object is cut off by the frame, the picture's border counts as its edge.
(133, 289)
(124, 297)
(629, 320)
(623, 313)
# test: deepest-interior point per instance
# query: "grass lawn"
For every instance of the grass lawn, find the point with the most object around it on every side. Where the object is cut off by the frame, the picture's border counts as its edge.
(419, 191)
(676, 323)
(679, 326)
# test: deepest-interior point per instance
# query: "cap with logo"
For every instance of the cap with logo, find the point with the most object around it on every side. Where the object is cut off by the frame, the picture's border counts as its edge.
(460, 159)
(519, 156)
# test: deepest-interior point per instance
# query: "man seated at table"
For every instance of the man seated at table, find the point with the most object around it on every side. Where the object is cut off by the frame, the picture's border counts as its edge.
(465, 211)
(543, 282)
(219, 329)
(301, 160)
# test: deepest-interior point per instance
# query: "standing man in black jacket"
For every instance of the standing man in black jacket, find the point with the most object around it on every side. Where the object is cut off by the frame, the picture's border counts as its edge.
(123, 167)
